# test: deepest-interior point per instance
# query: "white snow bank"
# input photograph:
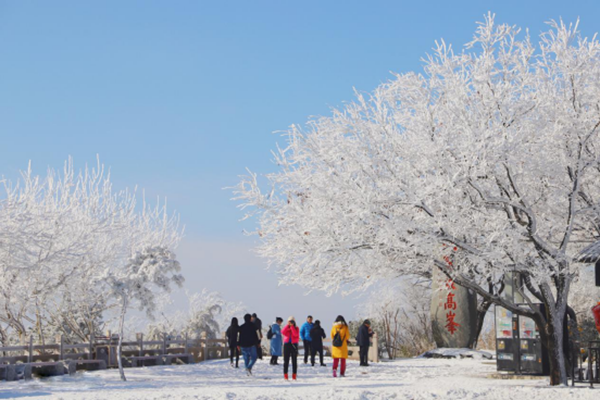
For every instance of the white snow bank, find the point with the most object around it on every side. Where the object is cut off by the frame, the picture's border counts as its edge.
(457, 353)
(417, 378)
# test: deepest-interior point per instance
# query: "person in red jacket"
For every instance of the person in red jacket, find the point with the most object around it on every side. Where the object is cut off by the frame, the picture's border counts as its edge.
(291, 337)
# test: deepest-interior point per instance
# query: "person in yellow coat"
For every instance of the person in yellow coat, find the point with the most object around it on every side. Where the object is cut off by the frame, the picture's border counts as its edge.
(340, 335)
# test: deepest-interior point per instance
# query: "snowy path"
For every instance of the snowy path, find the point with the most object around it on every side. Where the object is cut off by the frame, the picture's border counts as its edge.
(404, 379)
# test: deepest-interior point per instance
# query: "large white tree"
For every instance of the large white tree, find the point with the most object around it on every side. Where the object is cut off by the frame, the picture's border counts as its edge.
(494, 150)
(53, 227)
(64, 239)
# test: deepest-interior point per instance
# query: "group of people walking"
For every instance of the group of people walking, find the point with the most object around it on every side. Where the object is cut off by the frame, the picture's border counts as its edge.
(246, 339)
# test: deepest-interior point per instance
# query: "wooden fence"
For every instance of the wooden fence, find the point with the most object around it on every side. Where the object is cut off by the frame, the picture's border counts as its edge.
(101, 352)
(59, 351)
(199, 349)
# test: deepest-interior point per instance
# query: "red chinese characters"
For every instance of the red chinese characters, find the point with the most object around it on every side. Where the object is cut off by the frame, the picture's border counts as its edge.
(450, 305)
(451, 325)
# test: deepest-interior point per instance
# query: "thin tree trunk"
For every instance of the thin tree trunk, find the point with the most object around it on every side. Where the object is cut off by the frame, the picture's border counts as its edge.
(4, 339)
(120, 345)
(482, 310)
(388, 337)
(38, 316)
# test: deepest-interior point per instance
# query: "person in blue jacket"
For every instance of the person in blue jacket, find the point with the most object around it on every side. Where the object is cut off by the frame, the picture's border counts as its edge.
(305, 337)
(276, 340)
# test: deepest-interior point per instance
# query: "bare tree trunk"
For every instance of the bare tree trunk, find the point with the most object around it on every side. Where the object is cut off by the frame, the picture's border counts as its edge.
(120, 344)
(3, 338)
(396, 337)
(554, 327)
(482, 310)
(388, 336)
(556, 351)
(39, 324)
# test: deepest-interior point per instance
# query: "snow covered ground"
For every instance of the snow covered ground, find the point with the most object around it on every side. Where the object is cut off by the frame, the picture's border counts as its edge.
(404, 379)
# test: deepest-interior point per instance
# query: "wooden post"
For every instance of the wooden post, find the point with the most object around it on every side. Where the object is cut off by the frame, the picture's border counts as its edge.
(30, 357)
(91, 349)
(186, 344)
(205, 349)
(111, 357)
(140, 338)
(375, 349)
(61, 355)
(589, 367)
(164, 349)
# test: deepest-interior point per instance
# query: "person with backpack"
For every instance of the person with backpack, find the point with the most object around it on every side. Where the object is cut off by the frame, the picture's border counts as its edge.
(363, 340)
(249, 338)
(340, 335)
(305, 336)
(291, 337)
(232, 340)
(274, 335)
(317, 334)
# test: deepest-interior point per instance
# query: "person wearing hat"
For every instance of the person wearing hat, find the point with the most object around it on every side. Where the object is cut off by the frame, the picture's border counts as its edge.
(363, 340)
(291, 337)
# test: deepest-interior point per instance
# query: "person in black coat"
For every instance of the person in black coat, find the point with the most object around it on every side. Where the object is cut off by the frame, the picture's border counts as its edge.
(258, 323)
(317, 334)
(232, 340)
(249, 339)
(363, 340)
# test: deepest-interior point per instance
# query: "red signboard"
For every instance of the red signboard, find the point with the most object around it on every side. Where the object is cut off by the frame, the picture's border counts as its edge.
(596, 311)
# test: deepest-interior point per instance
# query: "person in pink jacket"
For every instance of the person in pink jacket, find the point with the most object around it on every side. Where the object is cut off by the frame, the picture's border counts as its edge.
(291, 337)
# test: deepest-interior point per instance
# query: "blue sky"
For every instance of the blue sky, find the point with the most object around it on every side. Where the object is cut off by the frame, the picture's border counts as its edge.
(179, 97)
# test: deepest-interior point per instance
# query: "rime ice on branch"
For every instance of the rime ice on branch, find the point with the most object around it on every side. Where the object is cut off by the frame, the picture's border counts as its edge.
(69, 243)
(494, 149)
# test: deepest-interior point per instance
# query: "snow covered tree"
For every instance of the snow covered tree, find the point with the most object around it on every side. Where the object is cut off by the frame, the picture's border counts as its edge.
(494, 150)
(229, 309)
(208, 315)
(584, 294)
(63, 238)
(149, 269)
(400, 314)
(57, 224)
(203, 313)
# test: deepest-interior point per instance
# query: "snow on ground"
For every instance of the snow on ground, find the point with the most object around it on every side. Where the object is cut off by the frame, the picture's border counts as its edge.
(457, 353)
(416, 378)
